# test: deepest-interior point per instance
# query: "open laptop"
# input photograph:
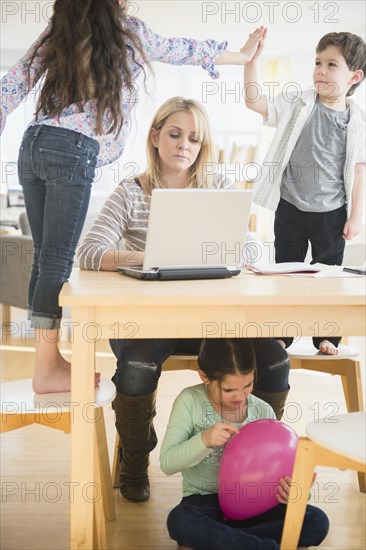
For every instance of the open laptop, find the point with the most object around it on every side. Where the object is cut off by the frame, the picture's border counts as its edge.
(194, 234)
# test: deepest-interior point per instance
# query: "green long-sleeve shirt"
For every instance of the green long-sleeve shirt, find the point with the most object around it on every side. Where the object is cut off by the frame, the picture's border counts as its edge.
(183, 448)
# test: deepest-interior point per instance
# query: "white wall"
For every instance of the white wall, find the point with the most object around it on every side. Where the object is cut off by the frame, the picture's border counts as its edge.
(293, 25)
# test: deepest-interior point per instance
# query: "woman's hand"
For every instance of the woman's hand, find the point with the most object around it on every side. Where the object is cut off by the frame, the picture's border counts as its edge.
(218, 435)
(113, 259)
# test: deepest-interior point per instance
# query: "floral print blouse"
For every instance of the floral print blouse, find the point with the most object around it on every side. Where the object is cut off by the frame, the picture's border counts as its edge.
(176, 51)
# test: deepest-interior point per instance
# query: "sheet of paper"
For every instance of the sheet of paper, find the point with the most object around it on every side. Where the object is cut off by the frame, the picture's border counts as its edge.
(289, 267)
(300, 269)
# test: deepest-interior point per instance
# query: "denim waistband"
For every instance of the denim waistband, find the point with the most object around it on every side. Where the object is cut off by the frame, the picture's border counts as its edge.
(71, 135)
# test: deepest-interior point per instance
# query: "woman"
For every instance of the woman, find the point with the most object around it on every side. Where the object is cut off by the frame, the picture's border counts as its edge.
(179, 147)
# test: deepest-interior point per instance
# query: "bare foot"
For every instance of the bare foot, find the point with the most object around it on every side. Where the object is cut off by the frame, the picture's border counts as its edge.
(328, 348)
(56, 378)
(282, 343)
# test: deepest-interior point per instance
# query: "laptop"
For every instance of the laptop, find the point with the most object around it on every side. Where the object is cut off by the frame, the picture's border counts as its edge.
(194, 234)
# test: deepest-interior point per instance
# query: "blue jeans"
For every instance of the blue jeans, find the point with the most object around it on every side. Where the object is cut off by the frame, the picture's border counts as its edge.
(139, 363)
(56, 169)
(198, 522)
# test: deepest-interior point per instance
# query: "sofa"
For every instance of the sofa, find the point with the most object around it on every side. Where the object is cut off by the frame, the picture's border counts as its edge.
(16, 262)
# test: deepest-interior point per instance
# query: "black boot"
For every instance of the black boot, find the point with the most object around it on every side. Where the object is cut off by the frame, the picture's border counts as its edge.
(277, 400)
(134, 423)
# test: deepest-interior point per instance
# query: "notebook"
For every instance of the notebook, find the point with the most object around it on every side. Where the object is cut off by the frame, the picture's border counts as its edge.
(194, 234)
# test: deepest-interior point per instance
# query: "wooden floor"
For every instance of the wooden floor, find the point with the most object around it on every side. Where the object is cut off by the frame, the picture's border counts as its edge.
(35, 465)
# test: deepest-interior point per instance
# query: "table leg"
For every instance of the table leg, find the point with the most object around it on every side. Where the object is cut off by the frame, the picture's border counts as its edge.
(352, 387)
(299, 493)
(83, 429)
(99, 533)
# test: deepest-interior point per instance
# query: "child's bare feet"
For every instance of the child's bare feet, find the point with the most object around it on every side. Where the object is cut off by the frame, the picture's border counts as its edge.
(52, 373)
(56, 377)
(328, 348)
(282, 343)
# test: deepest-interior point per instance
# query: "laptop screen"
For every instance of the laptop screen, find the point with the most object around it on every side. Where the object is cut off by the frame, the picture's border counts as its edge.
(197, 228)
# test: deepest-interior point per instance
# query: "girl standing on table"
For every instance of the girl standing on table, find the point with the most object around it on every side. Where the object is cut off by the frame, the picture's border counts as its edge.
(178, 149)
(86, 62)
(203, 419)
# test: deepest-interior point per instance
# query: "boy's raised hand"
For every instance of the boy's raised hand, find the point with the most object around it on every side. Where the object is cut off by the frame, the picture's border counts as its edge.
(218, 434)
(254, 45)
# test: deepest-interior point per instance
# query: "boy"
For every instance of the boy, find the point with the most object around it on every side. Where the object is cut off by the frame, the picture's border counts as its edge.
(314, 171)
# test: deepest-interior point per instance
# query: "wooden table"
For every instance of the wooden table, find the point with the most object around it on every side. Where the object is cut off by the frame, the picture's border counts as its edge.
(109, 305)
(339, 442)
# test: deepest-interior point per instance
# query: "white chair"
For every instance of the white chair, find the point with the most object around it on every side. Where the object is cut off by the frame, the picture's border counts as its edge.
(20, 407)
(346, 364)
(339, 442)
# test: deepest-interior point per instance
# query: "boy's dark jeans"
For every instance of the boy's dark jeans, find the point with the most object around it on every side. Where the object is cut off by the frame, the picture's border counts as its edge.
(294, 229)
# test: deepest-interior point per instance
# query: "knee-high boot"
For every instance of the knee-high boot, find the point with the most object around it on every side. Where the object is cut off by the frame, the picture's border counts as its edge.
(277, 400)
(134, 423)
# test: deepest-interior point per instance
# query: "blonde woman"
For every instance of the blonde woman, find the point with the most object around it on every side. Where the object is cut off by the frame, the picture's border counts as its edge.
(179, 146)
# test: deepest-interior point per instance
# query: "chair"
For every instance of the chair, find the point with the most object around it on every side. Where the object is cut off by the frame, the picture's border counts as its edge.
(346, 364)
(339, 444)
(20, 407)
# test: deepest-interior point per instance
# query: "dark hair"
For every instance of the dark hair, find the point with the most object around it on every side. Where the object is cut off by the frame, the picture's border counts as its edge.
(85, 57)
(351, 46)
(220, 357)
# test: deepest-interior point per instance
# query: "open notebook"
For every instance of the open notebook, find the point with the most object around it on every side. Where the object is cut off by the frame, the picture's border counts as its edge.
(194, 234)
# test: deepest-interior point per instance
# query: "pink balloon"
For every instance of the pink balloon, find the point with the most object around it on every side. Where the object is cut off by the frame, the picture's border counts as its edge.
(252, 464)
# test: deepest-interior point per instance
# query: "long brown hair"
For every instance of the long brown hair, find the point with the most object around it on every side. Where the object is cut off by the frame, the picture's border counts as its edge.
(85, 57)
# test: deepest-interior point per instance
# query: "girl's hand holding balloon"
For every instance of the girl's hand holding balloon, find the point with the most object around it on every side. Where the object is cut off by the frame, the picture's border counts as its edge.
(283, 489)
(218, 434)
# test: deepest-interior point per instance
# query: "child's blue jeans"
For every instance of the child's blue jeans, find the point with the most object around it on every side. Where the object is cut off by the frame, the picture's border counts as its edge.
(56, 169)
(198, 522)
